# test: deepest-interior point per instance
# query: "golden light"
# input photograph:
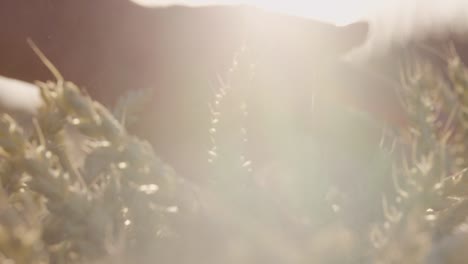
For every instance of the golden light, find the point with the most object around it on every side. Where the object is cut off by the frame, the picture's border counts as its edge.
(339, 12)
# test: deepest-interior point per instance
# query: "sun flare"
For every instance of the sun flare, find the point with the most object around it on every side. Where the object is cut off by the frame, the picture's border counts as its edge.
(339, 12)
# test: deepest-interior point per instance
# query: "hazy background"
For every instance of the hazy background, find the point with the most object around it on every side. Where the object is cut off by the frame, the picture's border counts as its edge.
(391, 21)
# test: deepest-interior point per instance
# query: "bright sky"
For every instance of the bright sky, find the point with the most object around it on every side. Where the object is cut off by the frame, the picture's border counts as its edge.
(392, 21)
(338, 12)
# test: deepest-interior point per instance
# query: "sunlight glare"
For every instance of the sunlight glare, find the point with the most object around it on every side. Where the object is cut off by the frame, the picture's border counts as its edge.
(338, 12)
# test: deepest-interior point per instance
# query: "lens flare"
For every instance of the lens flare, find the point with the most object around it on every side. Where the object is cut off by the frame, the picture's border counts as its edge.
(339, 12)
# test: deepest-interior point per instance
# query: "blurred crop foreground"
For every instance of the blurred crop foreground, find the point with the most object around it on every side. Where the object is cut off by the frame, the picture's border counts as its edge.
(77, 187)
